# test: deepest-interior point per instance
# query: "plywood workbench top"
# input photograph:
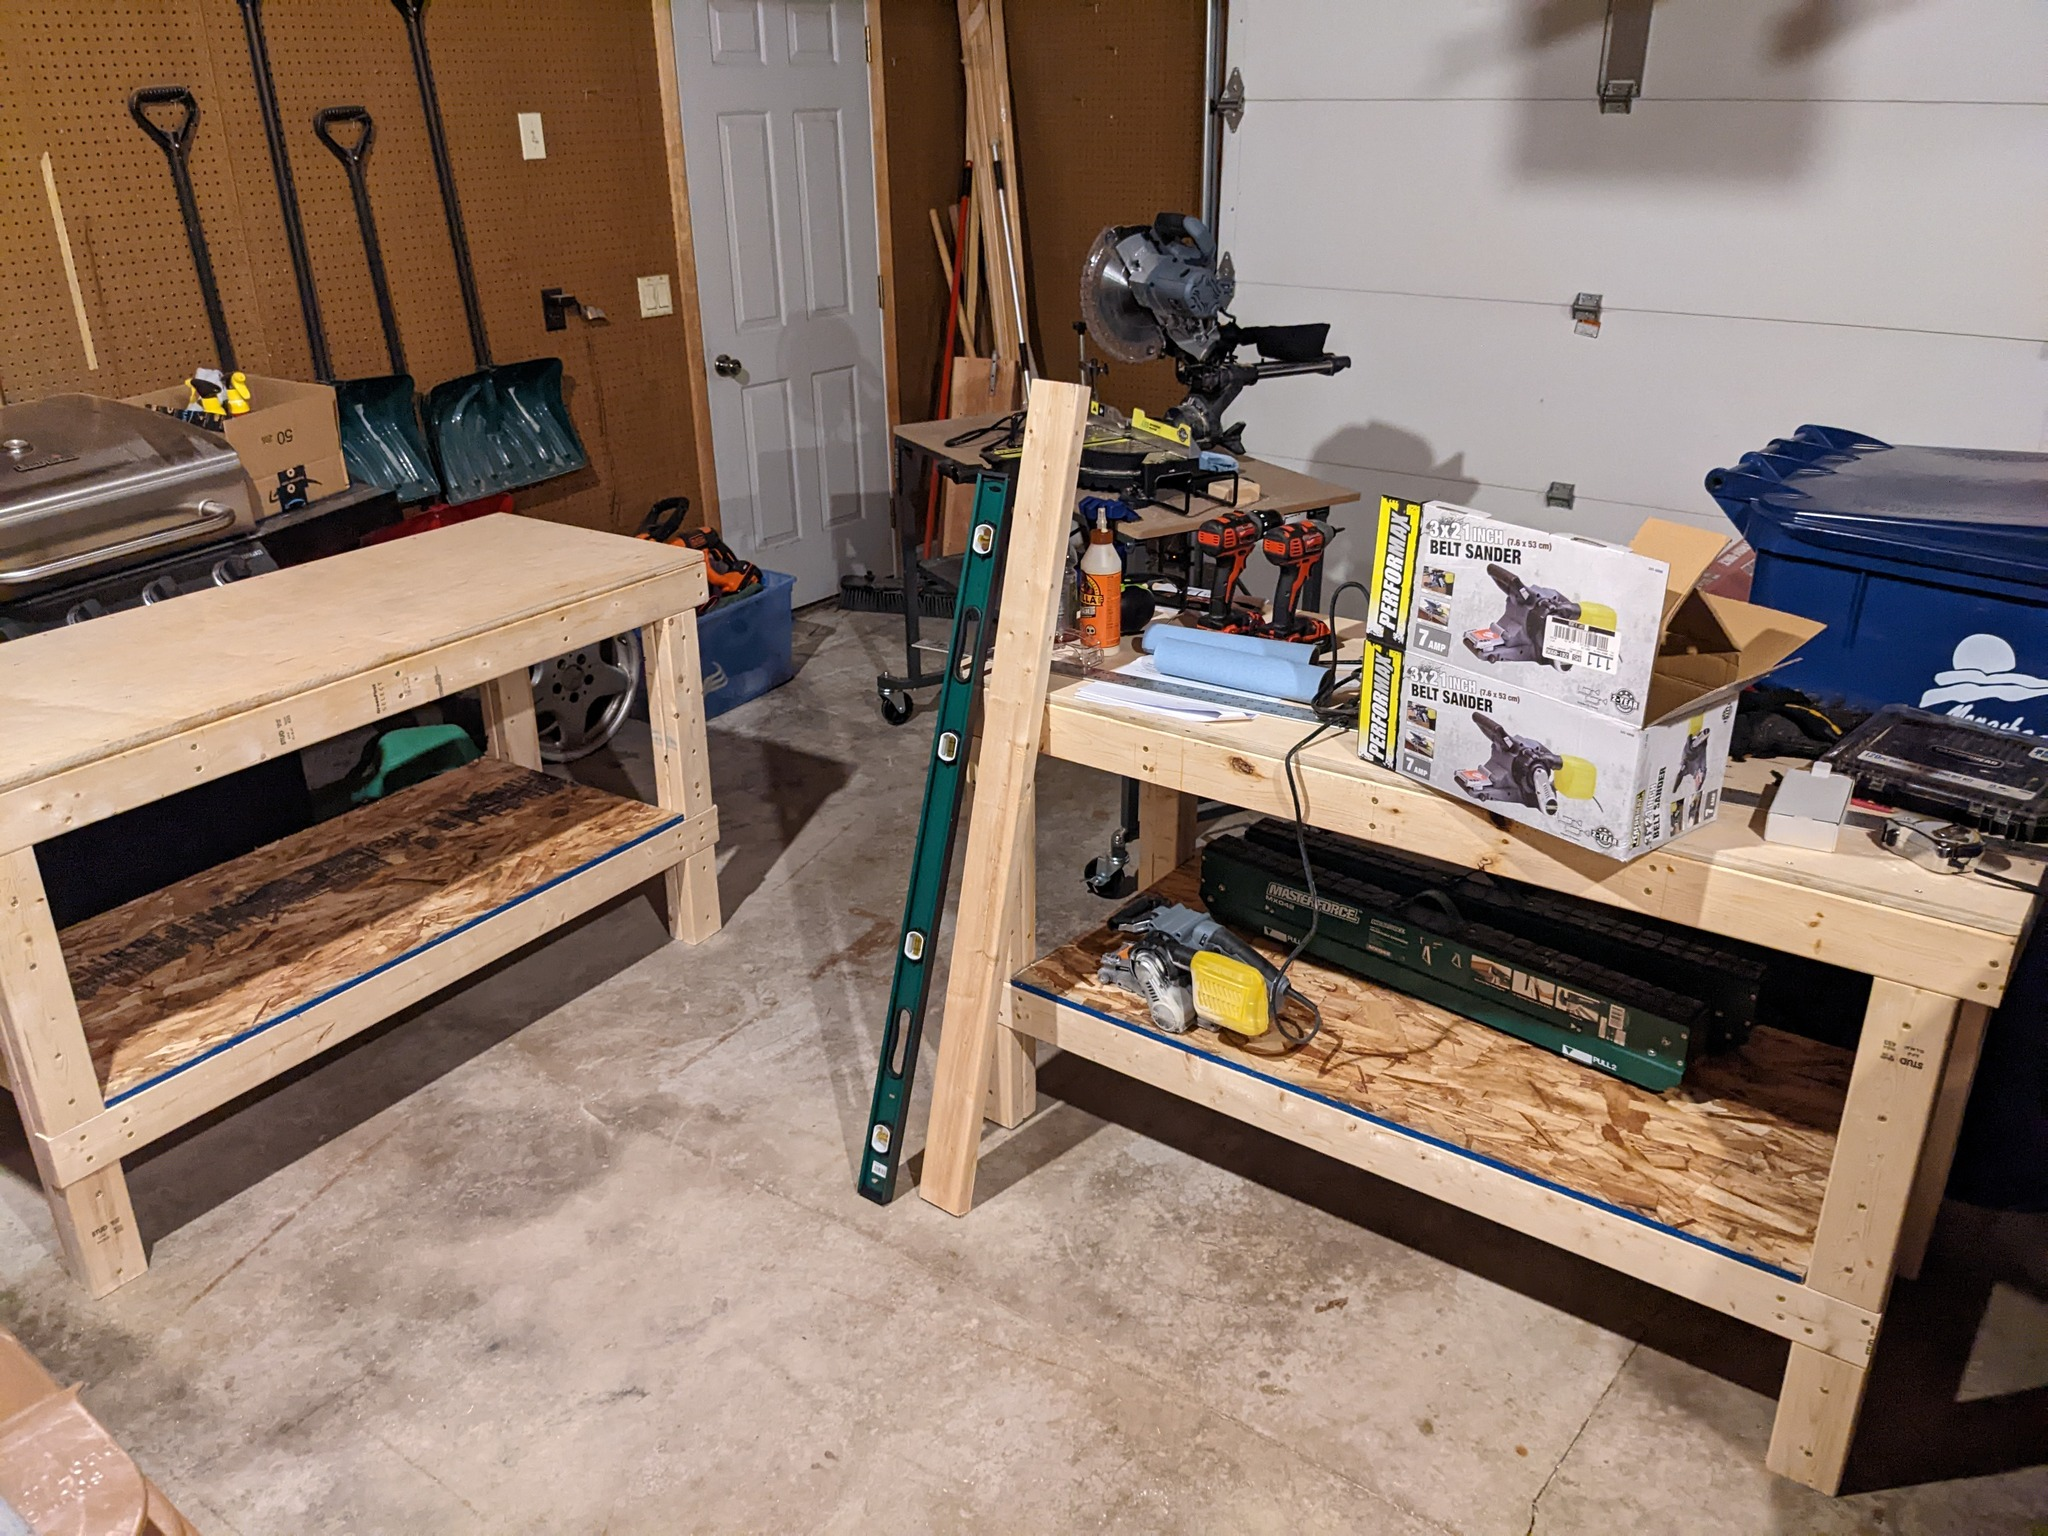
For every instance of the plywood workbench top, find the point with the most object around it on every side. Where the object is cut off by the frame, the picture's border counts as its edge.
(79, 695)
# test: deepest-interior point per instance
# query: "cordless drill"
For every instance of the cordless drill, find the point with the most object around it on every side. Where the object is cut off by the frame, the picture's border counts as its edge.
(1229, 541)
(1297, 549)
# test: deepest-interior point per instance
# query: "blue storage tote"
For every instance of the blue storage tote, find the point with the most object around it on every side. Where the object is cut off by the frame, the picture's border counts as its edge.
(746, 645)
(1928, 565)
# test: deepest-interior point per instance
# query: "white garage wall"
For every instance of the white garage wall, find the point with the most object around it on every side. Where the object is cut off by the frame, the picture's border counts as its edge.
(1832, 211)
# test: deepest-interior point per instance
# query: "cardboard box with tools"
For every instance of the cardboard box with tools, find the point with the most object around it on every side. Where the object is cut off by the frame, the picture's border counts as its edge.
(1615, 788)
(1590, 624)
(289, 440)
(1509, 716)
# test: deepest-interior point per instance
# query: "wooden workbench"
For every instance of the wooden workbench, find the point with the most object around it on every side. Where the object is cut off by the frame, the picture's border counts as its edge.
(1785, 1185)
(131, 1024)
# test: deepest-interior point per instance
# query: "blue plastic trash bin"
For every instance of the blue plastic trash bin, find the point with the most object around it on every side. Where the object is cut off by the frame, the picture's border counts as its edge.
(746, 644)
(1928, 565)
(1930, 568)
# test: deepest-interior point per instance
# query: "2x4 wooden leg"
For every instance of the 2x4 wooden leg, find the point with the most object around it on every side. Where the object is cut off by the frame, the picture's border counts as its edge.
(1902, 1060)
(1013, 1073)
(49, 1067)
(510, 727)
(682, 766)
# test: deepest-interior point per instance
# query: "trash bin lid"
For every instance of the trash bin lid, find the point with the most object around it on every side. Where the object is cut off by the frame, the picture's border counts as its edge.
(1963, 511)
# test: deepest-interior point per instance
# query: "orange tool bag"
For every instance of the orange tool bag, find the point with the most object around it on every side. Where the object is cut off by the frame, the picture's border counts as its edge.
(729, 575)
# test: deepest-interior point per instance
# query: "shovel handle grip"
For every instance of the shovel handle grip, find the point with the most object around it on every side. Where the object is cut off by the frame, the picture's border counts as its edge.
(174, 141)
(350, 155)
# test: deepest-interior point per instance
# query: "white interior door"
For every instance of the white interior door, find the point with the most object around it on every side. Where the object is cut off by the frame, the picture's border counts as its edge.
(776, 136)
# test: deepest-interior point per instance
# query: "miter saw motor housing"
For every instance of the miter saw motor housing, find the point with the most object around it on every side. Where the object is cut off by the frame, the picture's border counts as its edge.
(1163, 290)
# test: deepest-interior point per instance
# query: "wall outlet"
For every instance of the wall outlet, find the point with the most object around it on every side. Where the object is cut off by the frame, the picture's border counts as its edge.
(532, 146)
(654, 296)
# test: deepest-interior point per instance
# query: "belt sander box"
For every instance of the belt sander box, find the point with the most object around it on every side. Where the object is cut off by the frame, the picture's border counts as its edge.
(1581, 688)
(1621, 631)
(289, 440)
(1588, 778)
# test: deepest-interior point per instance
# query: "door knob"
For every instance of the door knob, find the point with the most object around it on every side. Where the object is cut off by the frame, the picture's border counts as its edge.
(726, 367)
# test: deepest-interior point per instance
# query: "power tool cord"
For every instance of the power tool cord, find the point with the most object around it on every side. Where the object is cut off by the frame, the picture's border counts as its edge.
(1331, 716)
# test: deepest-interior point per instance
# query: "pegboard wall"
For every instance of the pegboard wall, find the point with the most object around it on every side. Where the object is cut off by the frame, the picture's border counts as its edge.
(1108, 102)
(589, 218)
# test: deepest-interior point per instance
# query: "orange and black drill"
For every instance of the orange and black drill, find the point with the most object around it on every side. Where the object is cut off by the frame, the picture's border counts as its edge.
(1229, 541)
(725, 573)
(1297, 548)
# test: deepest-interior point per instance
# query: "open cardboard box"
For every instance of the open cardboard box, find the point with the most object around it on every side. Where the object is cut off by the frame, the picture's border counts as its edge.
(1708, 644)
(1617, 757)
(1621, 631)
(289, 440)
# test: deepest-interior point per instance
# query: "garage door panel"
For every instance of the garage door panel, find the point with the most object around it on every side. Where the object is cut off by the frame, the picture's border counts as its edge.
(1588, 517)
(1507, 395)
(1904, 216)
(1787, 50)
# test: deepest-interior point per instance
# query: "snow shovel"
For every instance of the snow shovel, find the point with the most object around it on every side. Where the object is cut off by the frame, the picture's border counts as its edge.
(500, 427)
(380, 441)
(386, 401)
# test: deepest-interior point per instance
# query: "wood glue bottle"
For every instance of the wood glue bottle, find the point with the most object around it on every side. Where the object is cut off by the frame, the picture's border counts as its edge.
(1102, 589)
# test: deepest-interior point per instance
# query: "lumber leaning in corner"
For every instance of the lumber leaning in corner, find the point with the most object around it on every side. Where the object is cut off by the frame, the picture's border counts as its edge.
(1013, 715)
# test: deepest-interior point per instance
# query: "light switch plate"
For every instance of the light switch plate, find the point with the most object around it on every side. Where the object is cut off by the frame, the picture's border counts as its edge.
(532, 146)
(654, 296)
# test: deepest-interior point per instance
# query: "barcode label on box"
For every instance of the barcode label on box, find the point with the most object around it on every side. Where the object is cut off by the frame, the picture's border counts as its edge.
(1579, 645)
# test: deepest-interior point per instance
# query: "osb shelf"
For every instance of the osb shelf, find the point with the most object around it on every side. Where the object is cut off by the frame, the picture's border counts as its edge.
(185, 992)
(1734, 1161)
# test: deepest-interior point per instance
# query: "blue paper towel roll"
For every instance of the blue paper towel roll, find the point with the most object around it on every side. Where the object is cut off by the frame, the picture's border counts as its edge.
(1279, 669)
(1157, 635)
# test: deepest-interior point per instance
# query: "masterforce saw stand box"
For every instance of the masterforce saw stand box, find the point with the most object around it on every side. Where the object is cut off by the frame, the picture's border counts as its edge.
(1497, 717)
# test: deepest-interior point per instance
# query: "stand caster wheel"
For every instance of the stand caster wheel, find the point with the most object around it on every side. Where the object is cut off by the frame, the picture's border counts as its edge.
(1111, 876)
(898, 707)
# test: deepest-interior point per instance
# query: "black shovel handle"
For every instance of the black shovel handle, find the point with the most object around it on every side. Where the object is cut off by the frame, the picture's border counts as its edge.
(176, 143)
(415, 14)
(287, 190)
(352, 156)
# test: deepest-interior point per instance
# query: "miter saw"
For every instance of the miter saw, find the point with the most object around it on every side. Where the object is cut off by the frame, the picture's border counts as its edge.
(1162, 290)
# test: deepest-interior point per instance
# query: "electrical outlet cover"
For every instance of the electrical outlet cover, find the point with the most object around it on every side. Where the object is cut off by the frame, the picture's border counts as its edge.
(655, 298)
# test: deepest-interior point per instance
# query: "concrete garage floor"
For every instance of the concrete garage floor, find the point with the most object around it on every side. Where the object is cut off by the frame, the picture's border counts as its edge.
(576, 1249)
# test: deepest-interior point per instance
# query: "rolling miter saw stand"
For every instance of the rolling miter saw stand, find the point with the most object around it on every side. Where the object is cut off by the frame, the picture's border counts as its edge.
(1164, 290)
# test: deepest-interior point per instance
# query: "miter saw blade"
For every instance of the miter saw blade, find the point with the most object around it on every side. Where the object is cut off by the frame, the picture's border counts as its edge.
(1117, 322)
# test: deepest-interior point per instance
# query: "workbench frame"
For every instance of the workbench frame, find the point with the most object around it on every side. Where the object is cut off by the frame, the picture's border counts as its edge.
(77, 1129)
(1936, 978)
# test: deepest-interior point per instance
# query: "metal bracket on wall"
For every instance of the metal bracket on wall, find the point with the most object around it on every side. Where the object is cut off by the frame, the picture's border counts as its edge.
(1229, 102)
(1562, 493)
(1623, 49)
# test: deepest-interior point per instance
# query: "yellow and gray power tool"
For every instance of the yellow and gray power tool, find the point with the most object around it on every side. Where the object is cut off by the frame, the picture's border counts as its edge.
(1190, 969)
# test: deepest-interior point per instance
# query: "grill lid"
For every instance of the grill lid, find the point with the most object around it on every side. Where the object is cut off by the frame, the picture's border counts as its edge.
(87, 482)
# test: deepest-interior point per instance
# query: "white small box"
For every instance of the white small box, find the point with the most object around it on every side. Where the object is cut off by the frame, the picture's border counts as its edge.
(1808, 808)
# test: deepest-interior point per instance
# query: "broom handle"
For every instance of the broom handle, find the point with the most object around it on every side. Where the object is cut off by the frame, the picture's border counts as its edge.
(414, 12)
(945, 403)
